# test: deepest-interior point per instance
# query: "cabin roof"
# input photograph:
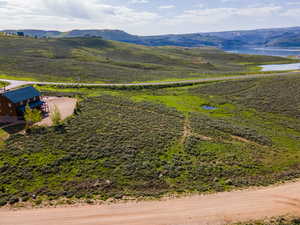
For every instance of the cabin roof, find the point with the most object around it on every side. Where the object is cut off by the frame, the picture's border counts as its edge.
(22, 94)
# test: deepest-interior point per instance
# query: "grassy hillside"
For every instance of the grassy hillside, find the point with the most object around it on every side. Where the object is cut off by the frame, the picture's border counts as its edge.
(97, 60)
(152, 142)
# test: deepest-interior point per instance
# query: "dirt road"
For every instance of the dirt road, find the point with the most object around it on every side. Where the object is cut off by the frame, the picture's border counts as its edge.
(216, 209)
(16, 83)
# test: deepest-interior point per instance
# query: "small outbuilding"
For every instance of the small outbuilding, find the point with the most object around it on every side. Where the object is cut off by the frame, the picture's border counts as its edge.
(13, 103)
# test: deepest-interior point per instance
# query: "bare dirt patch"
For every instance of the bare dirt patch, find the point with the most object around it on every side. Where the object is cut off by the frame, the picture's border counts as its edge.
(244, 140)
(65, 106)
(215, 209)
(187, 132)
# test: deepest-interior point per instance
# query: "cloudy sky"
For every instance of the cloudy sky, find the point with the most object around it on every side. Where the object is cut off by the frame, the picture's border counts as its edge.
(147, 17)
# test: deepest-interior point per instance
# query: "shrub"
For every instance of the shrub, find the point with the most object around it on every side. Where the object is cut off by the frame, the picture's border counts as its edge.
(13, 200)
(32, 116)
(38, 202)
(56, 116)
(3, 202)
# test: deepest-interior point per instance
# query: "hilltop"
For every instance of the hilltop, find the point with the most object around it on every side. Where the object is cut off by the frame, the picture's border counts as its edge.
(93, 59)
(277, 37)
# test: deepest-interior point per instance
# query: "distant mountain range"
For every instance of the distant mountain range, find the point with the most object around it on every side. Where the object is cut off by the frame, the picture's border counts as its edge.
(277, 37)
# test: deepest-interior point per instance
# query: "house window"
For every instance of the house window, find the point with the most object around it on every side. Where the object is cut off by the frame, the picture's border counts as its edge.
(9, 105)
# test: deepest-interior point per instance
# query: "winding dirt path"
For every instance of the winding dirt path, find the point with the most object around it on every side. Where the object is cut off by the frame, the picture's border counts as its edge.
(215, 209)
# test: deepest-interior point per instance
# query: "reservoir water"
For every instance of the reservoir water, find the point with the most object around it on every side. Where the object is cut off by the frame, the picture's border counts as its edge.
(281, 67)
(267, 51)
(283, 52)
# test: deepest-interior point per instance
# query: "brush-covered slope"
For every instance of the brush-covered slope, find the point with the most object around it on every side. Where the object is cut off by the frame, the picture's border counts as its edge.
(152, 142)
(285, 41)
(93, 59)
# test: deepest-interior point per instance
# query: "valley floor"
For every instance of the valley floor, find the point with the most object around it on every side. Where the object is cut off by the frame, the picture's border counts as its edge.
(214, 209)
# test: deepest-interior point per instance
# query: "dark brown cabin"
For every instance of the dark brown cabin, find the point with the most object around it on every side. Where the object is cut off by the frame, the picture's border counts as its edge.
(13, 103)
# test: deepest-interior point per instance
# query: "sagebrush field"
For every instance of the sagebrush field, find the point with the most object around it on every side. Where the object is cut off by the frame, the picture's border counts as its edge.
(154, 142)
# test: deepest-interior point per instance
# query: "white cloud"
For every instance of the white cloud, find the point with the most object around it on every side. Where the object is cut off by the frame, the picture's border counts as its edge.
(143, 18)
(214, 15)
(69, 14)
(167, 7)
(226, 1)
(3, 3)
(200, 16)
(139, 1)
(200, 5)
(293, 3)
(259, 11)
(295, 12)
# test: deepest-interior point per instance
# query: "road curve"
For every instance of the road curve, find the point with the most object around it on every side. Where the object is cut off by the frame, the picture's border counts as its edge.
(17, 83)
(215, 209)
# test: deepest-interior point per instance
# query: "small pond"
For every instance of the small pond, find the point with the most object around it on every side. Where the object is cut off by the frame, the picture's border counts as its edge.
(208, 107)
(281, 67)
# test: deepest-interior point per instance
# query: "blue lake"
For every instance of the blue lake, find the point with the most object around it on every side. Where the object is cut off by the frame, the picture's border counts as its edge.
(283, 52)
(281, 67)
(267, 51)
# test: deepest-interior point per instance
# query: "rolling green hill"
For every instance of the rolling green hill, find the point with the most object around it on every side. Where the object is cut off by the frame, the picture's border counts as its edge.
(97, 60)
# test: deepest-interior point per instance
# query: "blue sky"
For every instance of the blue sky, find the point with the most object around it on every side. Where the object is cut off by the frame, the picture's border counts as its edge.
(149, 17)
